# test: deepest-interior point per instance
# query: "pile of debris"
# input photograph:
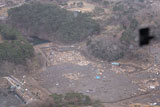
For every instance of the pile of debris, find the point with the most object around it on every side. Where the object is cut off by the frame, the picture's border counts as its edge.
(142, 105)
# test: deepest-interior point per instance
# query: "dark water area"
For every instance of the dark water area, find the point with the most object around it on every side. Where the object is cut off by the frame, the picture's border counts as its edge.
(35, 40)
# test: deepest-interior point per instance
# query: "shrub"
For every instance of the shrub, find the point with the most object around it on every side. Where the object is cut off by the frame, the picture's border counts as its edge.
(74, 100)
(97, 1)
(8, 33)
(105, 50)
(133, 24)
(80, 4)
(58, 99)
(98, 11)
(106, 3)
(77, 99)
(141, 1)
(128, 35)
(118, 7)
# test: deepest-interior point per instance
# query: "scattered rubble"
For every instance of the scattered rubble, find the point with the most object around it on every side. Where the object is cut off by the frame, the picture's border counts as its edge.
(56, 55)
(146, 85)
(73, 76)
(143, 105)
(154, 69)
(65, 57)
(124, 68)
(86, 7)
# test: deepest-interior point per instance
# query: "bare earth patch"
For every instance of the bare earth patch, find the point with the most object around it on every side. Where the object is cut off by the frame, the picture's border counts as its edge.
(68, 70)
(87, 7)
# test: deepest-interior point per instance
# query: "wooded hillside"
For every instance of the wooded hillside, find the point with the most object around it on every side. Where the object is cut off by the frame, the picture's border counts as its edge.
(53, 23)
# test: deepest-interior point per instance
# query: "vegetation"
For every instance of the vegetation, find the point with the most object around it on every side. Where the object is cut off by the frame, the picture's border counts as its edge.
(133, 24)
(80, 4)
(118, 7)
(106, 3)
(14, 47)
(141, 1)
(128, 19)
(97, 1)
(74, 100)
(98, 11)
(108, 51)
(8, 34)
(52, 22)
(128, 35)
(125, 17)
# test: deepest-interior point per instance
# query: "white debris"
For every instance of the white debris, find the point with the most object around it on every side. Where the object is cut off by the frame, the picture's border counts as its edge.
(152, 87)
(153, 104)
(57, 84)
(87, 91)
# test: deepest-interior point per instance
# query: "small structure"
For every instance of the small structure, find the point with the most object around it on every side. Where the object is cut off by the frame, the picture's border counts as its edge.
(116, 63)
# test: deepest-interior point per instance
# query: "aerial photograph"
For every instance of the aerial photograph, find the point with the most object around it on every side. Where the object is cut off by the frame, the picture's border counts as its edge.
(79, 53)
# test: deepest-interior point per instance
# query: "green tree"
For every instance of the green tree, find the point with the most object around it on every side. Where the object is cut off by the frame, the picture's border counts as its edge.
(38, 19)
(14, 48)
(73, 99)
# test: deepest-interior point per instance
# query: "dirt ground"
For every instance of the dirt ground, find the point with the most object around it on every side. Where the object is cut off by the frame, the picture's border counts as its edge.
(116, 86)
(67, 69)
